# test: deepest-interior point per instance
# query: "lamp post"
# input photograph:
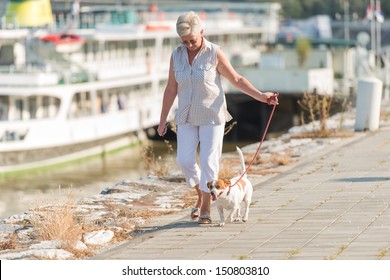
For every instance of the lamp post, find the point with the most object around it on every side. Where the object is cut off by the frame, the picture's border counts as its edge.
(372, 7)
(346, 20)
(378, 33)
(346, 74)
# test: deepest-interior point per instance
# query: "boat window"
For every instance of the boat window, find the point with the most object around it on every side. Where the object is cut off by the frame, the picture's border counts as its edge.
(18, 111)
(149, 43)
(7, 55)
(168, 45)
(45, 106)
(89, 48)
(95, 47)
(103, 102)
(161, 85)
(112, 49)
(40, 107)
(122, 50)
(226, 39)
(132, 45)
(81, 105)
(4, 108)
(32, 106)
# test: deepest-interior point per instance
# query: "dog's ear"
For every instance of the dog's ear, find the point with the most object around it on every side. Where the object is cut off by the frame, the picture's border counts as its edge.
(227, 182)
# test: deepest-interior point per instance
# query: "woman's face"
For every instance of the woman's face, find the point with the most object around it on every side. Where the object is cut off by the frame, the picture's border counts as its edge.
(192, 42)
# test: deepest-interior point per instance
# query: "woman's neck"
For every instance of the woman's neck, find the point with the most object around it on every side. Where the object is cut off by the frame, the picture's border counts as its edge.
(192, 53)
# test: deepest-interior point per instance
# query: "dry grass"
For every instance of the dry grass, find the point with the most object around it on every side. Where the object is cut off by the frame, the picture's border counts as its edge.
(316, 110)
(226, 170)
(385, 115)
(10, 244)
(156, 164)
(120, 211)
(316, 107)
(281, 159)
(56, 221)
(189, 198)
(231, 167)
(325, 134)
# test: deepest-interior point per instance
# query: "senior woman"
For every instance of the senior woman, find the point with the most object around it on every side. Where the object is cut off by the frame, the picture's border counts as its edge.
(195, 71)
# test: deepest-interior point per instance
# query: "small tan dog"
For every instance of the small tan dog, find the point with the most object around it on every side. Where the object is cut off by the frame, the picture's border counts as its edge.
(230, 196)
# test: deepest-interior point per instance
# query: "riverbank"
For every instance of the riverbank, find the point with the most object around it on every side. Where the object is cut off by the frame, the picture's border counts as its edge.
(121, 212)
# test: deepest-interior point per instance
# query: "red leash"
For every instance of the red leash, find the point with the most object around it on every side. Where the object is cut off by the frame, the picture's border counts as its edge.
(261, 142)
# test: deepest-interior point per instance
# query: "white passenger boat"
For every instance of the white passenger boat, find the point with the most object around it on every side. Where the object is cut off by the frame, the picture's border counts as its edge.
(99, 86)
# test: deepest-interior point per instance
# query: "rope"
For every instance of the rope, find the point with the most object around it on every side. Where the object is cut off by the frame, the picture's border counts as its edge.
(260, 144)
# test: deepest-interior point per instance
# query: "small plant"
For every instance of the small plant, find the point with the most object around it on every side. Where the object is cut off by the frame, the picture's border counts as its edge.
(11, 243)
(317, 107)
(226, 171)
(316, 110)
(303, 48)
(382, 253)
(294, 252)
(279, 159)
(156, 165)
(57, 221)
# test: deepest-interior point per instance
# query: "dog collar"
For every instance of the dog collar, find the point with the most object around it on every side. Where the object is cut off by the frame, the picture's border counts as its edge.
(226, 194)
(230, 187)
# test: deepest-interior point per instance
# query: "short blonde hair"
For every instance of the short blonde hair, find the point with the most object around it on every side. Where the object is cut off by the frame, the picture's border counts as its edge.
(188, 24)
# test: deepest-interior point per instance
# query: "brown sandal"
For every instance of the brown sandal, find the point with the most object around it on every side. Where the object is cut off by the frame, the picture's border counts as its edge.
(204, 220)
(195, 213)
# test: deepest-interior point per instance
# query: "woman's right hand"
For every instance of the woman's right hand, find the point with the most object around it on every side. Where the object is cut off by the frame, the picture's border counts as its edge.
(162, 128)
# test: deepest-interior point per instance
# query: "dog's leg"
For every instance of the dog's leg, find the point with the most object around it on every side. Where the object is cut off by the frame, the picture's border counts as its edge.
(237, 217)
(235, 211)
(221, 216)
(246, 213)
(247, 202)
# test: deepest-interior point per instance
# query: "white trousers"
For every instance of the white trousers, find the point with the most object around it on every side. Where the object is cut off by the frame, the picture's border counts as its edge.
(209, 138)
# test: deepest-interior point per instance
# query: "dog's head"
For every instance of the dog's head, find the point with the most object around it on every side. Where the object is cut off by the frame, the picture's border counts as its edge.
(217, 187)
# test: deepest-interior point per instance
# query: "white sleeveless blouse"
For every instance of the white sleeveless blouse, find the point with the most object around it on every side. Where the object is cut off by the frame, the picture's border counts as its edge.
(201, 99)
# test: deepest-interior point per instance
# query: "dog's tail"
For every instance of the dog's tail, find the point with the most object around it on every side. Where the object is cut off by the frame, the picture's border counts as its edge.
(242, 160)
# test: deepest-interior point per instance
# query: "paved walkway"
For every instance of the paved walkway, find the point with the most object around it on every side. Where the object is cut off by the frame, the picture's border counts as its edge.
(334, 205)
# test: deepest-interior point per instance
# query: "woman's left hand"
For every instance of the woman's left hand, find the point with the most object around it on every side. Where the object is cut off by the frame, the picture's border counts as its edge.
(272, 98)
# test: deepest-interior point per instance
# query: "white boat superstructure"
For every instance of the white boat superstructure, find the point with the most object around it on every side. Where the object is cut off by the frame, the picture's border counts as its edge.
(104, 93)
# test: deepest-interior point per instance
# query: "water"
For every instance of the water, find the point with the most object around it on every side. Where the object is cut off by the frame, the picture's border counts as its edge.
(84, 179)
(89, 178)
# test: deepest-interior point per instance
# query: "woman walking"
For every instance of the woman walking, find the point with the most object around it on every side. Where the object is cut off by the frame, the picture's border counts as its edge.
(195, 71)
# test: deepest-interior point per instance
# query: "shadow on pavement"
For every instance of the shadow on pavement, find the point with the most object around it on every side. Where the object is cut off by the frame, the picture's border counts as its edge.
(364, 179)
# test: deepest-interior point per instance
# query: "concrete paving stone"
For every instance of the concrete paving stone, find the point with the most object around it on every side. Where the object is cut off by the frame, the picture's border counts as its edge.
(331, 206)
(363, 251)
(378, 228)
(357, 257)
(371, 238)
(193, 253)
(155, 246)
(304, 257)
(218, 256)
(267, 256)
(313, 253)
(283, 251)
(133, 257)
